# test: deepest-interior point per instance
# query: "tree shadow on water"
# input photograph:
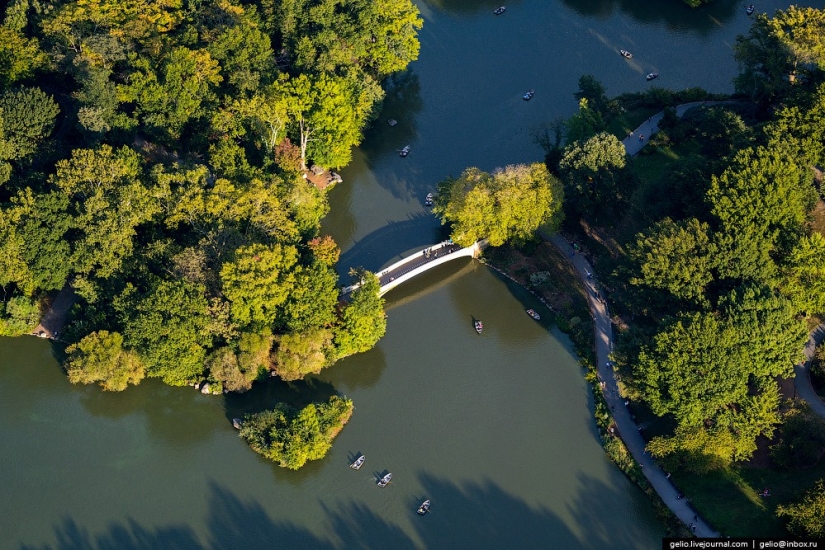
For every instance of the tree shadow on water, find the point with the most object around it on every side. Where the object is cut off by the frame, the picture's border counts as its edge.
(402, 103)
(484, 515)
(597, 501)
(674, 15)
(384, 246)
(362, 370)
(179, 416)
(469, 515)
(265, 395)
(125, 536)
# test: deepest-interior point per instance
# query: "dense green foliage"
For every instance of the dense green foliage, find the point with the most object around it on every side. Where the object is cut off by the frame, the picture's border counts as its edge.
(806, 518)
(779, 52)
(593, 175)
(147, 160)
(364, 321)
(722, 265)
(801, 441)
(291, 437)
(100, 357)
(511, 203)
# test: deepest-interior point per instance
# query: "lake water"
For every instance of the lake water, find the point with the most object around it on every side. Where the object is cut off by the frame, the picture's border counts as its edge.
(495, 429)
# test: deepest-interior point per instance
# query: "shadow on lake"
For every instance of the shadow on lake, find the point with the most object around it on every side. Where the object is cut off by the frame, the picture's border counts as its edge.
(469, 6)
(464, 515)
(675, 15)
(362, 370)
(402, 103)
(381, 247)
(268, 393)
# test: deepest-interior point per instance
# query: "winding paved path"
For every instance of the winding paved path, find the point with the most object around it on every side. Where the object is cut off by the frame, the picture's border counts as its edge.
(627, 428)
(802, 380)
(633, 144)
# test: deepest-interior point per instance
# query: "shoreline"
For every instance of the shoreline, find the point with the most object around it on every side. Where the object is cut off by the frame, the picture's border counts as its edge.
(610, 436)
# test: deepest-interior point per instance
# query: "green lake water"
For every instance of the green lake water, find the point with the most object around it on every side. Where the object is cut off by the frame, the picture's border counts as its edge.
(495, 429)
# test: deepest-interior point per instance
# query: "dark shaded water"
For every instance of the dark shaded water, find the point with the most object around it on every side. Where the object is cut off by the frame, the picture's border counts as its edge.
(495, 429)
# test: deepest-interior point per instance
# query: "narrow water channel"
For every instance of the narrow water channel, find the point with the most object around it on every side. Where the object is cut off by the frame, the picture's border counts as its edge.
(495, 429)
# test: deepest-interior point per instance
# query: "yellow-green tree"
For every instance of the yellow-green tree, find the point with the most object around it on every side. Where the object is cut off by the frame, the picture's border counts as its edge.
(302, 353)
(292, 437)
(363, 321)
(100, 358)
(511, 203)
(806, 518)
(258, 281)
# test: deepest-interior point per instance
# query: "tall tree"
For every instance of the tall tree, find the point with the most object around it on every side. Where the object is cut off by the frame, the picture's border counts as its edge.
(677, 257)
(302, 353)
(760, 203)
(110, 202)
(27, 118)
(510, 203)
(169, 328)
(321, 118)
(592, 173)
(169, 99)
(100, 357)
(806, 518)
(803, 276)
(258, 281)
(20, 57)
(363, 321)
(776, 50)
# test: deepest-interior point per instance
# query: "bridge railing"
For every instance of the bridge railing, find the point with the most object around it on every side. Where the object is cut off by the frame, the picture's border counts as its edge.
(389, 269)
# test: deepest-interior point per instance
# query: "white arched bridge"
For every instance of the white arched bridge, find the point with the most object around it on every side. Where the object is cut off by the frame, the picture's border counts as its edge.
(427, 258)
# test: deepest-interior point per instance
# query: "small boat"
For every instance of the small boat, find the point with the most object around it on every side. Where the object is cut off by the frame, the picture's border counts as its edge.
(532, 313)
(358, 462)
(750, 9)
(529, 95)
(405, 151)
(499, 10)
(424, 508)
(237, 423)
(392, 122)
(384, 481)
(651, 76)
(626, 54)
(479, 326)
(428, 200)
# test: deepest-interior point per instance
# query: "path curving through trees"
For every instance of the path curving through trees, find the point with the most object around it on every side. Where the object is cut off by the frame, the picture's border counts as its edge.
(802, 379)
(628, 430)
(635, 141)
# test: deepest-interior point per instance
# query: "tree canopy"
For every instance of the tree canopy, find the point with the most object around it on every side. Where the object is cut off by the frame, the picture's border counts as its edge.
(511, 203)
(806, 518)
(147, 160)
(291, 437)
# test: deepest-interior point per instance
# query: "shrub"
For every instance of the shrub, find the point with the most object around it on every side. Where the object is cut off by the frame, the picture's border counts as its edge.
(291, 437)
(20, 315)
